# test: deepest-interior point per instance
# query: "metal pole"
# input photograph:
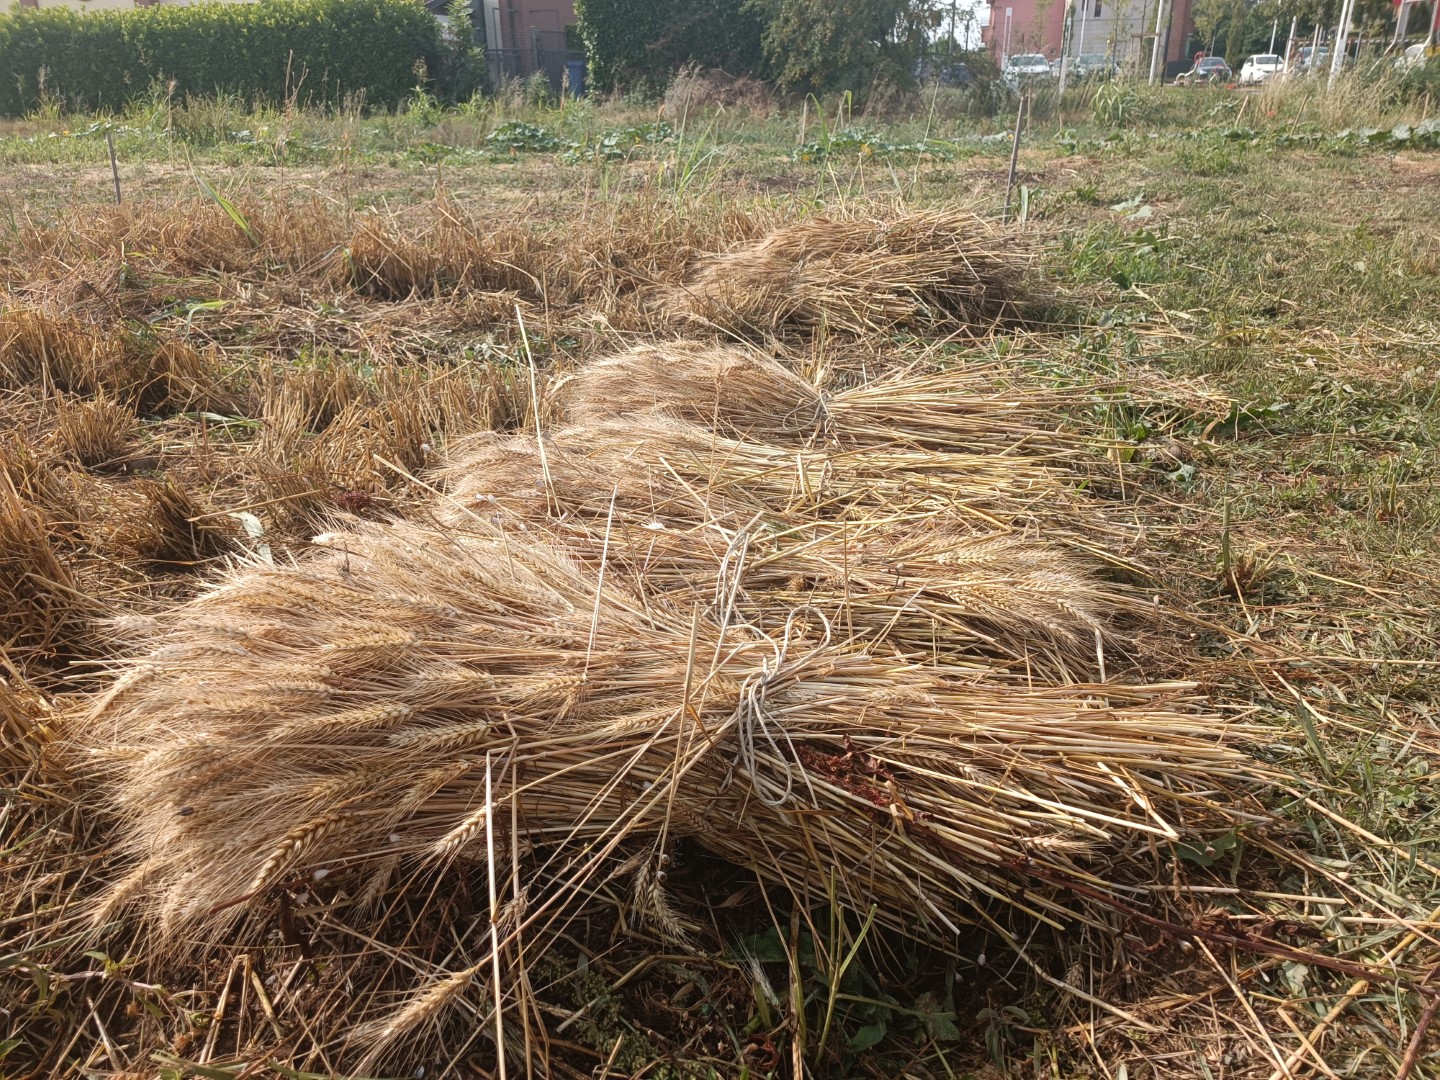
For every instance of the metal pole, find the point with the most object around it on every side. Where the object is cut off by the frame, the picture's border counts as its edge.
(1290, 43)
(1155, 48)
(1402, 21)
(1014, 160)
(1084, 15)
(1274, 28)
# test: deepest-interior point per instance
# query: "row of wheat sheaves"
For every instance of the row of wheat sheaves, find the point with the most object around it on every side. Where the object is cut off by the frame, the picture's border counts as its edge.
(874, 639)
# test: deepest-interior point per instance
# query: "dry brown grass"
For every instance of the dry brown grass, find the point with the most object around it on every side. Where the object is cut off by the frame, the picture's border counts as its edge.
(736, 390)
(59, 355)
(43, 613)
(698, 472)
(919, 551)
(331, 440)
(696, 92)
(54, 353)
(590, 659)
(165, 525)
(178, 240)
(95, 433)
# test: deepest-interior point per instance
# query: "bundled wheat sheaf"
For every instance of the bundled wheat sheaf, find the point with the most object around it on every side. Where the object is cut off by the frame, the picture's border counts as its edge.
(923, 271)
(861, 642)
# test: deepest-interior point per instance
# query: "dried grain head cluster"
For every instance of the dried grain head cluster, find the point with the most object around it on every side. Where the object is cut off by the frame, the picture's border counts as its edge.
(854, 641)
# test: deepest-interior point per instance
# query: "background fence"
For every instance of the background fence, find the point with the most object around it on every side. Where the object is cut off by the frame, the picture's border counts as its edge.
(546, 52)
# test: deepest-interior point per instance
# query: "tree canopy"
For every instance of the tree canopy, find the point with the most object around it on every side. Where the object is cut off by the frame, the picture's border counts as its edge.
(809, 45)
(828, 44)
(642, 42)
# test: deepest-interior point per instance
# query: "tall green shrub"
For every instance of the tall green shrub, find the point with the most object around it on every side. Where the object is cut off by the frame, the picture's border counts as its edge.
(819, 45)
(316, 50)
(641, 43)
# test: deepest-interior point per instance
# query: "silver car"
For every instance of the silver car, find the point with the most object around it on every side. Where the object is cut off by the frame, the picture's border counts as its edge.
(1027, 67)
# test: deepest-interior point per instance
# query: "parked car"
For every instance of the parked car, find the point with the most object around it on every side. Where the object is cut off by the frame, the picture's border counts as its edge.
(1208, 71)
(1412, 57)
(945, 72)
(1027, 67)
(1312, 59)
(1259, 68)
(1093, 65)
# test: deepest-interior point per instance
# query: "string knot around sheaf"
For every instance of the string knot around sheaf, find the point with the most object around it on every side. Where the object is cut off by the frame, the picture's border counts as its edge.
(758, 730)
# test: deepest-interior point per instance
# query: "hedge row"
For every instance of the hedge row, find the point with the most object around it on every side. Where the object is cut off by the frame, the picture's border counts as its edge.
(319, 50)
(640, 43)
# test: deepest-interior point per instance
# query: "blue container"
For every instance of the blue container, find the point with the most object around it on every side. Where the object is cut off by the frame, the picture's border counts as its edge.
(575, 73)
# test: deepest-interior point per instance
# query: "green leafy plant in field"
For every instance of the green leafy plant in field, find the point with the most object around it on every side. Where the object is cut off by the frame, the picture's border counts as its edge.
(622, 143)
(460, 72)
(1117, 104)
(840, 1007)
(524, 136)
(867, 144)
(519, 136)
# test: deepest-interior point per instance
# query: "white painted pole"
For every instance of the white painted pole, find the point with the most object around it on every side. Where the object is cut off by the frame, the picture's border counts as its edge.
(1342, 39)
(1290, 43)
(1084, 15)
(1065, 49)
(1155, 47)
(1274, 28)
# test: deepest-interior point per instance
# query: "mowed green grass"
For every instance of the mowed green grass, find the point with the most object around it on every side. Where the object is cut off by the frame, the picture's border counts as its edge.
(1280, 307)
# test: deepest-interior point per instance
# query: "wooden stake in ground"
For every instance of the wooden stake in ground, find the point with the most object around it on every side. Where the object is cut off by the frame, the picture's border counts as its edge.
(114, 165)
(1014, 160)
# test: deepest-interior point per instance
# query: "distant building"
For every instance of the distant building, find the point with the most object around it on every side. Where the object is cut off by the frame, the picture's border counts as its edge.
(1120, 29)
(508, 23)
(522, 37)
(525, 36)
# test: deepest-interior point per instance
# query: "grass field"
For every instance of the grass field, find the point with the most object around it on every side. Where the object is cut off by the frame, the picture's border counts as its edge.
(1234, 302)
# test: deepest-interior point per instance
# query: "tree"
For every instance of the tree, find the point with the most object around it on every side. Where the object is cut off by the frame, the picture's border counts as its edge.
(1208, 16)
(641, 43)
(818, 45)
(461, 71)
(1235, 33)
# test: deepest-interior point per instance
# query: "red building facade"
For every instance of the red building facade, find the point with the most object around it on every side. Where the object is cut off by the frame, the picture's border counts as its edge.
(1120, 29)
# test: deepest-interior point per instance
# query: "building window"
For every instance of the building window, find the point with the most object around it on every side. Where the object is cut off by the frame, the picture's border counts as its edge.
(1097, 9)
